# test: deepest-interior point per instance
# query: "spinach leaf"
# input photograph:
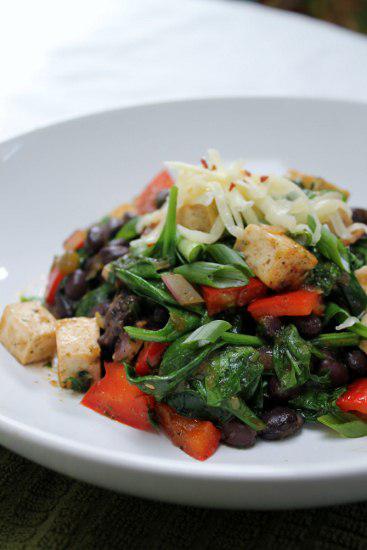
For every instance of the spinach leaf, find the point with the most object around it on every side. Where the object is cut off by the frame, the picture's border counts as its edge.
(80, 383)
(237, 407)
(324, 276)
(179, 322)
(235, 369)
(190, 403)
(313, 403)
(212, 274)
(225, 255)
(128, 231)
(345, 424)
(359, 249)
(179, 362)
(165, 247)
(291, 358)
(92, 299)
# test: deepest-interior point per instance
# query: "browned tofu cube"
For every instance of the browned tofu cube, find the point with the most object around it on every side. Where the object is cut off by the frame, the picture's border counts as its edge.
(276, 260)
(27, 330)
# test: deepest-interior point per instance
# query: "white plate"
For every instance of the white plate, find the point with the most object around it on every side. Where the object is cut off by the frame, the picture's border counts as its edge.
(65, 176)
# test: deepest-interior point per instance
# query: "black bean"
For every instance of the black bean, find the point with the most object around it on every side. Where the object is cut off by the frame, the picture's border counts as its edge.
(76, 285)
(160, 316)
(271, 325)
(266, 357)
(309, 325)
(123, 310)
(281, 422)
(357, 362)
(63, 306)
(114, 225)
(161, 197)
(97, 237)
(359, 215)
(111, 252)
(338, 372)
(237, 434)
(277, 394)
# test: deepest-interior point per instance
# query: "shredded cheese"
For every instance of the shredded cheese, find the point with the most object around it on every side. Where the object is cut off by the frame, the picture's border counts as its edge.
(242, 198)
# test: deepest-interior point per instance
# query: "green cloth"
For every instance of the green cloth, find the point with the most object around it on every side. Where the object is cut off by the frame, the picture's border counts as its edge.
(41, 509)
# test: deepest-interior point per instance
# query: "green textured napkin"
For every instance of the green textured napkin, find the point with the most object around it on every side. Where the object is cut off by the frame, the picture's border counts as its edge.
(41, 509)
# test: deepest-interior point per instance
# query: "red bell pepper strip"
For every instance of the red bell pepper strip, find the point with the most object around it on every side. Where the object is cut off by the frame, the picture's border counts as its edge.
(75, 241)
(115, 397)
(54, 279)
(145, 202)
(149, 357)
(219, 299)
(355, 398)
(297, 303)
(197, 438)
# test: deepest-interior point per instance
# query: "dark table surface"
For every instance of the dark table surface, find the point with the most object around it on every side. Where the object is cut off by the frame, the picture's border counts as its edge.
(42, 509)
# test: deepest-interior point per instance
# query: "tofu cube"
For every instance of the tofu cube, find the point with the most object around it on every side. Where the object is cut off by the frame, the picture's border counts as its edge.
(27, 330)
(122, 209)
(77, 348)
(197, 216)
(315, 183)
(276, 260)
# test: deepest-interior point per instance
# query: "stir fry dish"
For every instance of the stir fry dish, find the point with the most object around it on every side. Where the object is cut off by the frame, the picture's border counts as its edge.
(220, 306)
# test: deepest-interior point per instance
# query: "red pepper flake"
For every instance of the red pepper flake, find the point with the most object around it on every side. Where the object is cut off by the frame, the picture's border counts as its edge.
(264, 178)
(247, 173)
(204, 163)
(214, 167)
(232, 186)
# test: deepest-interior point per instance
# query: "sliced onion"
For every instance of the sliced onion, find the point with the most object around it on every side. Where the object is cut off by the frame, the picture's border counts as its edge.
(181, 289)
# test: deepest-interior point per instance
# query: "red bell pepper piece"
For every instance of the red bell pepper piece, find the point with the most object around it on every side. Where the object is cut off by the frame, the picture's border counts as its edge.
(219, 299)
(355, 398)
(149, 357)
(197, 438)
(54, 279)
(75, 241)
(145, 202)
(115, 397)
(297, 303)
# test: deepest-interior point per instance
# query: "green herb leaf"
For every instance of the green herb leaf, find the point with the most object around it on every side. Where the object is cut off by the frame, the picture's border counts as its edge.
(147, 289)
(225, 255)
(92, 299)
(353, 294)
(128, 231)
(208, 333)
(345, 424)
(212, 274)
(180, 322)
(165, 247)
(147, 268)
(24, 298)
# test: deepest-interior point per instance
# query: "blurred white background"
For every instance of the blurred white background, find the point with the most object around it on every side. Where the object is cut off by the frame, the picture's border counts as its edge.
(64, 58)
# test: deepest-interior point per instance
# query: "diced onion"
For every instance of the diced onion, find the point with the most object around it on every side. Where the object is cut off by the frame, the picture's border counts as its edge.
(181, 289)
